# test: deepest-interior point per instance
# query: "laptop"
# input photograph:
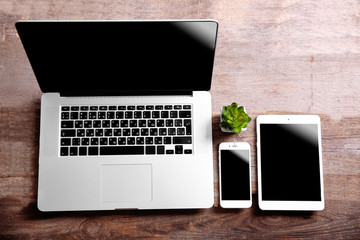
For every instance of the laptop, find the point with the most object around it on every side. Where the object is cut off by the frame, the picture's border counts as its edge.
(126, 118)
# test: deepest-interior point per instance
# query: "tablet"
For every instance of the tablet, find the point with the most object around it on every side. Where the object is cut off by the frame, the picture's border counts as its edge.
(289, 162)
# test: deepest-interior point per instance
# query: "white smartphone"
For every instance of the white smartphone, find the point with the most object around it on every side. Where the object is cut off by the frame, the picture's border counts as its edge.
(235, 175)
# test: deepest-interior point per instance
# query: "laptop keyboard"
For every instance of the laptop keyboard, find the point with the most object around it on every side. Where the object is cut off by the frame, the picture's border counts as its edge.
(126, 130)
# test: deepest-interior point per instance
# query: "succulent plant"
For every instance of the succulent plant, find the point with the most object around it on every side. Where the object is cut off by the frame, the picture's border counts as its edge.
(233, 118)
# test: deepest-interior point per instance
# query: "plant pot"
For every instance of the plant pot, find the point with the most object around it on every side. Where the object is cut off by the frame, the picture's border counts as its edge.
(227, 131)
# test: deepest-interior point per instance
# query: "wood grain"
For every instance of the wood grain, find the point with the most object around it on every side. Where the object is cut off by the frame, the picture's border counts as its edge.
(274, 57)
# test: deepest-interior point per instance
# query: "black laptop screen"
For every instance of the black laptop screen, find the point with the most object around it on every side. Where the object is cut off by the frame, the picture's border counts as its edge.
(109, 57)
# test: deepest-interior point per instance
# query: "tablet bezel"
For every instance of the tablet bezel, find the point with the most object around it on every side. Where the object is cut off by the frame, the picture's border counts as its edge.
(289, 205)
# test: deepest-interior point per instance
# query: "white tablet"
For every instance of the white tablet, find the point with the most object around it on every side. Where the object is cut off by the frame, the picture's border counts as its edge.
(289, 162)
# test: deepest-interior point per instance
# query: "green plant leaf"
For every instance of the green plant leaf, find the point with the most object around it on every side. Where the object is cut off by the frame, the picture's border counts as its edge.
(234, 118)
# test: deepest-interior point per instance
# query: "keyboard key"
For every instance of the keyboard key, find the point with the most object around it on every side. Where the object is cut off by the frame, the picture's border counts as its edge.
(89, 132)
(151, 123)
(164, 114)
(153, 132)
(178, 149)
(84, 108)
(187, 124)
(106, 123)
(67, 124)
(65, 108)
(171, 131)
(68, 133)
(167, 140)
(144, 132)
(103, 141)
(160, 123)
(169, 151)
(142, 123)
(122, 150)
(65, 115)
(74, 115)
(159, 107)
(76, 141)
(99, 132)
(74, 108)
(64, 151)
(184, 114)
(137, 114)
(83, 115)
(103, 107)
(124, 123)
(92, 115)
(128, 115)
(115, 123)
(130, 140)
(80, 132)
(121, 107)
(169, 123)
(85, 141)
(82, 151)
(162, 131)
(168, 107)
(178, 122)
(73, 151)
(97, 123)
(65, 141)
(140, 107)
(149, 107)
(146, 114)
(133, 123)
(155, 114)
(78, 124)
(101, 115)
(94, 141)
(131, 108)
(117, 132)
(112, 108)
(93, 151)
(158, 140)
(150, 149)
(108, 132)
(149, 140)
(173, 114)
(187, 107)
(94, 108)
(182, 140)
(88, 124)
(160, 150)
(126, 132)
(180, 131)
(139, 140)
(135, 132)
(121, 141)
(178, 107)
(110, 115)
(119, 115)
(188, 151)
(113, 141)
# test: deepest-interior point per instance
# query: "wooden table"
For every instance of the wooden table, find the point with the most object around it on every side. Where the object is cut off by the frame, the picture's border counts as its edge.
(284, 57)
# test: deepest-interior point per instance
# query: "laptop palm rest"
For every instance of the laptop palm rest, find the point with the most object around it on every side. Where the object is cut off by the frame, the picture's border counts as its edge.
(126, 182)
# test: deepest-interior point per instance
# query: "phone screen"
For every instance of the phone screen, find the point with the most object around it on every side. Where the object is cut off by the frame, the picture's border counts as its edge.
(235, 179)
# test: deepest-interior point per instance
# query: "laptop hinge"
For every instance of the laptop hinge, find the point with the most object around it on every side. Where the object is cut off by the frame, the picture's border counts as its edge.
(125, 93)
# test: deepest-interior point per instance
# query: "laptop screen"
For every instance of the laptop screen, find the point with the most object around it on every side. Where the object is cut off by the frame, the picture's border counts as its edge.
(117, 57)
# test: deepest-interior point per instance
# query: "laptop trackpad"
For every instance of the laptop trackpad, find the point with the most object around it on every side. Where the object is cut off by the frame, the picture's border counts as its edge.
(126, 182)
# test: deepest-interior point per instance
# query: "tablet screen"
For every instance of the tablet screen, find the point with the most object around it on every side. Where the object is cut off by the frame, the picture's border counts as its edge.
(290, 168)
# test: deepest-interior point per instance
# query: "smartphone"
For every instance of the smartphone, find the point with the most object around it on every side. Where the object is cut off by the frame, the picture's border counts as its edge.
(235, 175)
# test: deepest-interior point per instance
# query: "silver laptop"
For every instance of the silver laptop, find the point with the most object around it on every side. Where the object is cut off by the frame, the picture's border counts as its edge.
(126, 117)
